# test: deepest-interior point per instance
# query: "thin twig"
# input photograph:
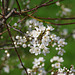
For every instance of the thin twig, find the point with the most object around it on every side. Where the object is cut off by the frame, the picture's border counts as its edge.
(16, 30)
(9, 14)
(42, 5)
(55, 18)
(51, 22)
(7, 48)
(62, 24)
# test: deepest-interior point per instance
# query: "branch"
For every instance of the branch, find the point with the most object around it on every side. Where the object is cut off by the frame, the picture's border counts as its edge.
(62, 24)
(51, 22)
(16, 29)
(55, 18)
(11, 12)
(6, 48)
(18, 6)
(42, 5)
(6, 3)
(15, 48)
(3, 7)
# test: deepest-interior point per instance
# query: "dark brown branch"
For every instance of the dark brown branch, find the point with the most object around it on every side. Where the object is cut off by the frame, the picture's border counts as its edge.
(3, 4)
(16, 30)
(23, 12)
(15, 48)
(39, 6)
(3, 7)
(51, 22)
(42, 5)
(55, 18)
(18, 6)
(6, 3)
(62, 24)
(54, 2)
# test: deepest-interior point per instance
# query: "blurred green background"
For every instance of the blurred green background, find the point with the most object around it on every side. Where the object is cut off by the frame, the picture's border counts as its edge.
(27, 58)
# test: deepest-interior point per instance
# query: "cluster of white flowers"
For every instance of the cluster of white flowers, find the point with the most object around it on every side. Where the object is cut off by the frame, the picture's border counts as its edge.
(33, 23)
(20, 41)
(38, 67)
(41, 38)
(57, 61)
(64, 71)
